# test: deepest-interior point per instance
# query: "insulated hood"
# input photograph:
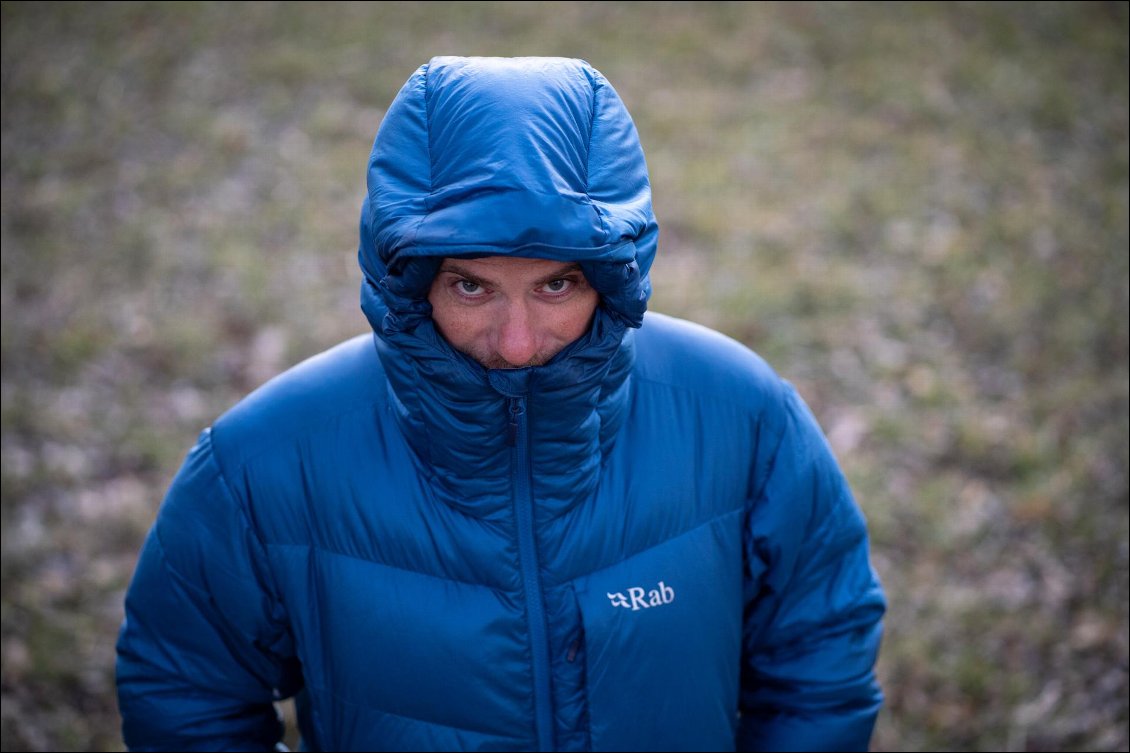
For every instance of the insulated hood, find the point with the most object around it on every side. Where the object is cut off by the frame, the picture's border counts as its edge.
(530, 157)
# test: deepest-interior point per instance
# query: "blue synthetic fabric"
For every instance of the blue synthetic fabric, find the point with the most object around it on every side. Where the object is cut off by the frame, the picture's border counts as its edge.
(644, 544)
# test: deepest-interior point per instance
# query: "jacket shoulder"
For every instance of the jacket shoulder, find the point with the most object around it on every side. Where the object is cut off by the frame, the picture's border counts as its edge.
(298, 403)
(695, 358)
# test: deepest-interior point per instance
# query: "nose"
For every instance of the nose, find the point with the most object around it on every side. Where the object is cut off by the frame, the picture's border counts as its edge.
(517, 336)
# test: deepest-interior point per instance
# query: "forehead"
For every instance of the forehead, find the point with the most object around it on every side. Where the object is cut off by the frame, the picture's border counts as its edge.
(508, 268)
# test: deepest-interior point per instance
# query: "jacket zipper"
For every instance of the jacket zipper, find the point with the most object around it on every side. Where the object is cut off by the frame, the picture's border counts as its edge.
(527, 549)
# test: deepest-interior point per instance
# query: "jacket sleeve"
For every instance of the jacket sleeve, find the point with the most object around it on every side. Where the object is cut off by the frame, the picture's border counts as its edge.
(813, 604)
(203, 651)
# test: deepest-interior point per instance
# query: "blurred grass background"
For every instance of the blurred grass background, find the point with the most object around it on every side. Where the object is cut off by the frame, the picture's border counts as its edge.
(916, 212)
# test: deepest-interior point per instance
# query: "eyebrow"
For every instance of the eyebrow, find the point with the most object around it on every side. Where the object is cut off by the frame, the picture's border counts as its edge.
(458, 269)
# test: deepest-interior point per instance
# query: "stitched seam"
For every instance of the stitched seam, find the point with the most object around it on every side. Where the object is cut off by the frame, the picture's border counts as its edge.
(428, 132)
(200, 593)
(275, 593)
(588, 161)
(357, 704)
(431, 163)
(379, 563)
(681, 534)
(592, 127)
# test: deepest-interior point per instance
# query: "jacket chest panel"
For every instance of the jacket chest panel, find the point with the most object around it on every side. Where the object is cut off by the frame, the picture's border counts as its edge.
(389, 642)
(669, 617)
(655, 487)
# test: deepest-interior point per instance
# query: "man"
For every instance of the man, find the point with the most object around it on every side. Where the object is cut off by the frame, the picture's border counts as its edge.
(520, 515)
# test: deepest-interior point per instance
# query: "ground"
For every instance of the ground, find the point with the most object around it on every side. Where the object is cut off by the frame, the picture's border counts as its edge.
(916, 212)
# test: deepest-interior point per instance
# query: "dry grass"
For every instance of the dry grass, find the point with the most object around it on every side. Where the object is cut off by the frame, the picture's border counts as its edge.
(917, 212)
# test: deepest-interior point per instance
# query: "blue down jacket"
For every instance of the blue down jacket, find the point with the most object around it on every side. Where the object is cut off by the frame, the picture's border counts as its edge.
(644, 544)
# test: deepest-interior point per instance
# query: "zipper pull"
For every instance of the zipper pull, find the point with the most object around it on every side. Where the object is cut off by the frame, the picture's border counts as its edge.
(512, 429)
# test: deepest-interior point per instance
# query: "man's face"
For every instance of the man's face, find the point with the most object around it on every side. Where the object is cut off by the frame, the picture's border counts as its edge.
(508, 312)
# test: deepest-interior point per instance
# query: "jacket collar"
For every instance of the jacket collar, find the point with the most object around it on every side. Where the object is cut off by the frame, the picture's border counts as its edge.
(456, 415)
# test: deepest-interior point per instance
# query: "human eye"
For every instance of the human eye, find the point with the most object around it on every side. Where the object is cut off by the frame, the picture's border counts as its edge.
(468, 288)
(558, 287)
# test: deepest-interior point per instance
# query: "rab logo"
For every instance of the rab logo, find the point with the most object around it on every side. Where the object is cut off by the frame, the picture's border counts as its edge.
(637, 598)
